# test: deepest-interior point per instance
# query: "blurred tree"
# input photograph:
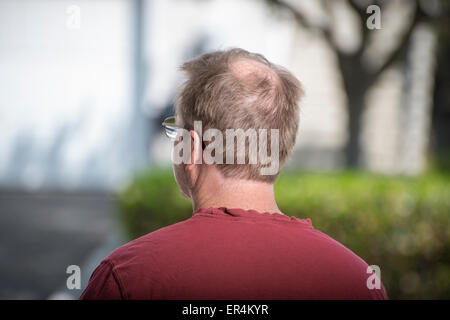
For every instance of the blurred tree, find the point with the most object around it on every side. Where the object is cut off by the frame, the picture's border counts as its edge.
(358, 75)
(441, 99)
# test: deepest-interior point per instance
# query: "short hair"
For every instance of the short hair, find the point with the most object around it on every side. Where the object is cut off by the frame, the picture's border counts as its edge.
(237, 89)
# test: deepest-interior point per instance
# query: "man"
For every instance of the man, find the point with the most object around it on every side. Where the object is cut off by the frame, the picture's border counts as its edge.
(237, 244)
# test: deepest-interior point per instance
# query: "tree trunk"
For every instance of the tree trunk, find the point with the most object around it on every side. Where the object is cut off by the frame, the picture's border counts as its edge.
(356, 82)
(352, 151)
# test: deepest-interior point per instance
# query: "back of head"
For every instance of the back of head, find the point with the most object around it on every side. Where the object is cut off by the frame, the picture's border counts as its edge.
(237, 89)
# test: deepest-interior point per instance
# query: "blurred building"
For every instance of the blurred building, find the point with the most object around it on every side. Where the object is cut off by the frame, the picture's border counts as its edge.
(70, 114)
(85, 84)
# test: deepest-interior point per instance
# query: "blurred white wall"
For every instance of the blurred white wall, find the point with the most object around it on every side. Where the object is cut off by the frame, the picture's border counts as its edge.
(66, 84)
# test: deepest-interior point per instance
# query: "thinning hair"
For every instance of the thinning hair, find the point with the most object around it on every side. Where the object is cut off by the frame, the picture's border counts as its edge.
(237, 89)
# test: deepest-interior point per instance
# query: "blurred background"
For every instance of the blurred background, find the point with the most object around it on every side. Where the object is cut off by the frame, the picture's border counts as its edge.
(85, 85)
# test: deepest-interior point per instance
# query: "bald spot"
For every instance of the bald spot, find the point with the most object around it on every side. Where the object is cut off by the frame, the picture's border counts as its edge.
(254, 72)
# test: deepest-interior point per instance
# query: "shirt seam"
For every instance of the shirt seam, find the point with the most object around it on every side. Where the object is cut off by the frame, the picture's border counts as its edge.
(117, 279)
(234, 218)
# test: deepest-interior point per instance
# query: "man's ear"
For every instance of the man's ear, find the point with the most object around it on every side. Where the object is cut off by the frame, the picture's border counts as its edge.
(196, 150)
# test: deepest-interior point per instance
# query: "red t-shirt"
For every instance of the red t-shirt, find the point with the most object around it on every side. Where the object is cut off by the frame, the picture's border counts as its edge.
(222, 253)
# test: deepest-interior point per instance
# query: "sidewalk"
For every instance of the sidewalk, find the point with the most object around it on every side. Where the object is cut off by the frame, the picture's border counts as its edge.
(41, 233)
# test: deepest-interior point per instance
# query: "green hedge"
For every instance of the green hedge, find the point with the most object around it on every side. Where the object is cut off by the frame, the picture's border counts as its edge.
(398, 223)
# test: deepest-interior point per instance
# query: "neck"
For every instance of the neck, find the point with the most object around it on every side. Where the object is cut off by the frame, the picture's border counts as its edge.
(235, 193)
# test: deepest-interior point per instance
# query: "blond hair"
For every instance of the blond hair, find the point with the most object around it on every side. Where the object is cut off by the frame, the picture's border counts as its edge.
(237, 89)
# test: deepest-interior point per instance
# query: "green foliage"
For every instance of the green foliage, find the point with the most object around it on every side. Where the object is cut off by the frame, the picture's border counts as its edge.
(398, 223)
(152, 201)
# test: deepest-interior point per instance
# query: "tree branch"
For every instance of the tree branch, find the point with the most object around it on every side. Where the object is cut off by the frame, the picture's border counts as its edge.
(402, 44)
(362, 16)
(301, 20)
(299, 17)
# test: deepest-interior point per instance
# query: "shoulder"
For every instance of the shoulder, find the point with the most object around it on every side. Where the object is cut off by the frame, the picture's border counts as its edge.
(149, 246)
(134, 267)
(103, 284)
(344, 268)
(336, 253)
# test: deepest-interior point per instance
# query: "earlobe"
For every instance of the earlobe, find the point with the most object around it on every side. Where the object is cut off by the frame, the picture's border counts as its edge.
(193, 168)
(192, 172)
(196, 148)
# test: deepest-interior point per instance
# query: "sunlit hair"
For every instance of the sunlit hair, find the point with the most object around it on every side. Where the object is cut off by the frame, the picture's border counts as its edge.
(237, 89)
